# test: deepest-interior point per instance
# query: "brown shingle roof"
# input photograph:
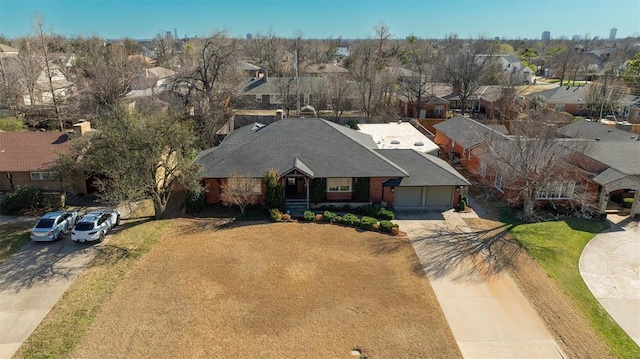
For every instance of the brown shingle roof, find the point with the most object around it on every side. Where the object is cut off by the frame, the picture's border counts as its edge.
(31, 151)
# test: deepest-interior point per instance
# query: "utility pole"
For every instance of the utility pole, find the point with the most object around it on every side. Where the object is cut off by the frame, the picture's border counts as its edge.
(295, 66)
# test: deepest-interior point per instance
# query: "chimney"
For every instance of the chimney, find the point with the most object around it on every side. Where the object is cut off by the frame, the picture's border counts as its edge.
(82, 127)
(279, 113)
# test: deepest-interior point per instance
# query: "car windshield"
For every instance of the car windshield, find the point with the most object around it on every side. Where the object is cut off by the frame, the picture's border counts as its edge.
(45, 223)
(84, 226)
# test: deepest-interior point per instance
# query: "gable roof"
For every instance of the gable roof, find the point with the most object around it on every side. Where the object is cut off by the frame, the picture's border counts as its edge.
(466, 132)
(621, 156)
(424, 169)
(313, 145)
(564, 94)
(594, 130)
(31, 151)
(7, 50)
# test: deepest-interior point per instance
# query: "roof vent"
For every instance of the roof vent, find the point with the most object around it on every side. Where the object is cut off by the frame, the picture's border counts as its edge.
(597, 138)
(418, 144)
(395, 142)
(609, 130)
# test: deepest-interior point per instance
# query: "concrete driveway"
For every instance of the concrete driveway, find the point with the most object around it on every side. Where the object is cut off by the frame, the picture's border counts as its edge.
(610, 266)
(31, 282)
(489, 316)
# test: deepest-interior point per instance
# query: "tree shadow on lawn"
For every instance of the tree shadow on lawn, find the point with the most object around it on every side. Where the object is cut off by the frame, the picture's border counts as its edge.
(462, 256)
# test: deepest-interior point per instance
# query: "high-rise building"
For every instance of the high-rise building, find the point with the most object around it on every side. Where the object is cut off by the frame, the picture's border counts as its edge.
(546, 36)
(167, 35)
(175, 33)
(575, 38)
(249, 36)
(612, 33)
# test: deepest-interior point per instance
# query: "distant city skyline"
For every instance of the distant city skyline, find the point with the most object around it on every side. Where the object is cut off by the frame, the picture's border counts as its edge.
(144, 19)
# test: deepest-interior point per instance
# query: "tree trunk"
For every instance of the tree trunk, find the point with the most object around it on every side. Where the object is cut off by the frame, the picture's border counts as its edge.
(529, 206)
(159, 207)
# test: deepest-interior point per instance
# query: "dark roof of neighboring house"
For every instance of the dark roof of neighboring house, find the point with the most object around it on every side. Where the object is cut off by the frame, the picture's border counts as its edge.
(621, 156)
(564, 94)
(592, 130)
(318, 147)
(424, 169)
(273, 85)
(323, 69)
(30, 151)
(466, 132)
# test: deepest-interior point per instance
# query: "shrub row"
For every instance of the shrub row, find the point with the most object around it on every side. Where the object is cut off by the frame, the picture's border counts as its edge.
(381, 213)
(366, 222)
(627, 202)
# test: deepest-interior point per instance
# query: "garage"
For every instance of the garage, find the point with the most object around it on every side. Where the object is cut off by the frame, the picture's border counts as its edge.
(408, 197)
(439, 197)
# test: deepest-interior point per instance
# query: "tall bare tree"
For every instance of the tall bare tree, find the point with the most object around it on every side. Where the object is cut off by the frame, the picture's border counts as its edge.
(270, 52)
(420, 60)
(210, 82)
(466, 63)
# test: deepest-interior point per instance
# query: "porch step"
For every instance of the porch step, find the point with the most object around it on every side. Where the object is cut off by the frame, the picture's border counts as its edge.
(296, 207)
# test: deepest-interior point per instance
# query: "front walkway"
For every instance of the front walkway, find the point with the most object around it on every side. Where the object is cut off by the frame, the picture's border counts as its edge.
(610, 266)
(489, 316)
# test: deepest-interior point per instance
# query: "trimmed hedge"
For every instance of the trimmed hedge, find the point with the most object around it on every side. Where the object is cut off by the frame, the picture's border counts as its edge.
(367, 223)
(351, 220)
(329, 216)
(275, 215)
(386, 226)
(385, 214)
(308, 216)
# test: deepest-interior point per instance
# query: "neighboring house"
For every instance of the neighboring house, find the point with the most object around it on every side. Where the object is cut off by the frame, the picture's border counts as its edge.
(434, 103)
(513, 67)
(41, 92)
(399, 135)
(315, 158)
(459, 136)
(27, 159)
(272, 92)
(604, 164)
(152, 78)
(319, 70)
(589, 130)
(342, 51)
(250, 70)
(565, 99)
(6, 50)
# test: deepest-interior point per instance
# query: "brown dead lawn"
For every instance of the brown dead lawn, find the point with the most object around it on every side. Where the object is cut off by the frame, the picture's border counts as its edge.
(570, 328)
(272, 291)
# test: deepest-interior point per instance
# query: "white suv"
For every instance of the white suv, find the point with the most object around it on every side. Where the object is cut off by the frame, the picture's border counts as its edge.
(94, 225)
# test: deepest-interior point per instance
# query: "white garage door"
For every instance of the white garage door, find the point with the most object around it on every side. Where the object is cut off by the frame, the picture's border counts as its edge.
(439, 196)
(408, 197)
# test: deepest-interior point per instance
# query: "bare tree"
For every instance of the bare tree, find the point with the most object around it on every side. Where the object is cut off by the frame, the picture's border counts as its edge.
(466, 64)
(533, 165)
(373, 83)
(419, 59)
(566, 61)
(268, 51)
(165, 49)
(240, 191)
(209, 82)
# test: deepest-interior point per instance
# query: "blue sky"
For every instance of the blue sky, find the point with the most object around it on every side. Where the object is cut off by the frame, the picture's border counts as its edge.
(325, 18)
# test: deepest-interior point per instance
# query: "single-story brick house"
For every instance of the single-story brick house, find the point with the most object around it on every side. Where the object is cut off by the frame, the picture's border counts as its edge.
(596, 163)
(27, 158)
(312, 154)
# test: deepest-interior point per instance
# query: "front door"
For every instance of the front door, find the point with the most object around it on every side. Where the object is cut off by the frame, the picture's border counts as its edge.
(294, 188)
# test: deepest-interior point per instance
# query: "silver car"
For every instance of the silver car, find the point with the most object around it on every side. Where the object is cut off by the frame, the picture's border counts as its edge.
(53, 225)
(94, 225)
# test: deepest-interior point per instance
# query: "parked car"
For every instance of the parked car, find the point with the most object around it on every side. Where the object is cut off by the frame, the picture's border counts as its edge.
(94, 225)
(54, 225)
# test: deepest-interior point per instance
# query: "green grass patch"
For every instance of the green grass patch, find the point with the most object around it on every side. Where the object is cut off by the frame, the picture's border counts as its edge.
(12, 237)
(68, 321)
(557, 246)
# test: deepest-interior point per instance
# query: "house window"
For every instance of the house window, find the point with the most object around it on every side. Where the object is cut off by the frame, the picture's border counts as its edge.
(482, 168)
(498, 182)
(338, 184)
(439, 109)
(245, 185)
(258, 98)
(557, 190)
(276, 99)
(559, 107)
(44, 176)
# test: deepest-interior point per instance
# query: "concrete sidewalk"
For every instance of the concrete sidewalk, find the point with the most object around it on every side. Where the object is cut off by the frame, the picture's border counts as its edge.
(487, 313)
(610, 266)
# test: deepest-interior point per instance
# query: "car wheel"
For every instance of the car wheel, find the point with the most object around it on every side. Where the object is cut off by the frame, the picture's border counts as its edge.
(60, 235)
(101, 238)
(117, 221)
